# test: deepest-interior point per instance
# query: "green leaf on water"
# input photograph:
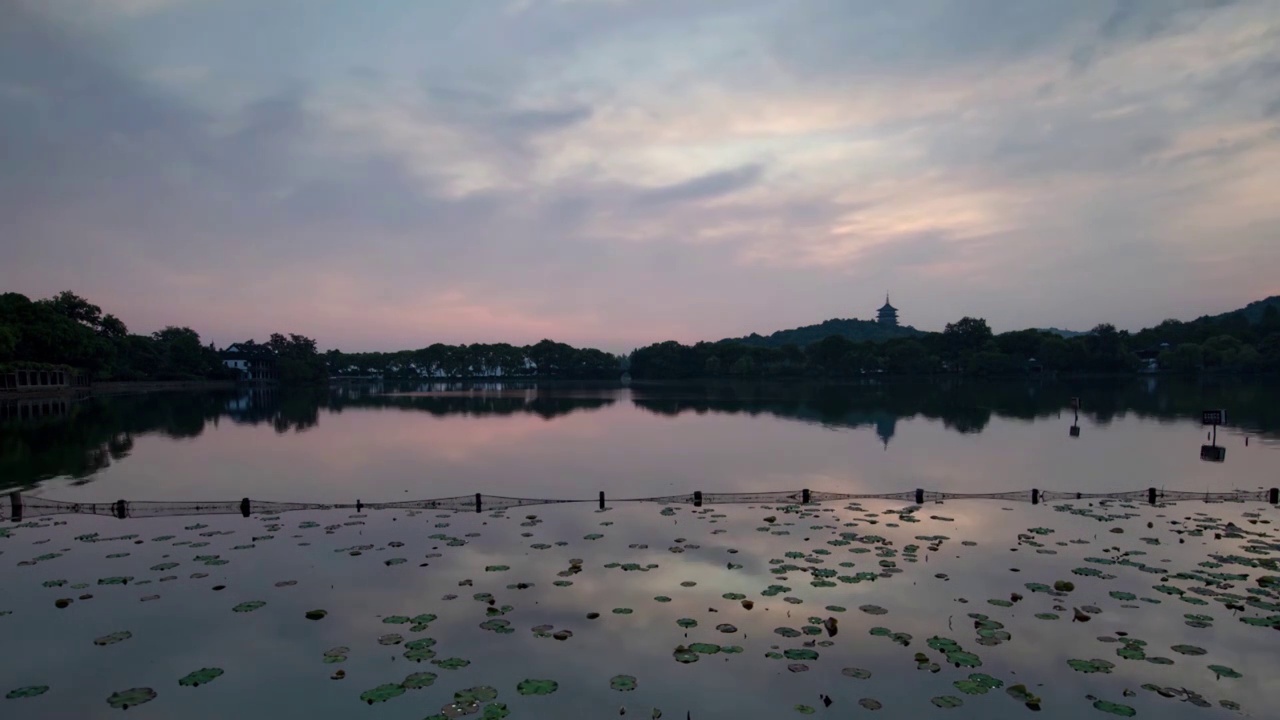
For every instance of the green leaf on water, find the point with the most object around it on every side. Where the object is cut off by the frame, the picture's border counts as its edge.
(476, 695)
(200, 677)
(622, 683)
(1107, 706)
(1091, 666)
(1020, 693)
(419, 680)
(684, 655)
(1131, 652)
(29, 691)
(537, 687)
(498, 625)
(113, 638)
(800, 654)
(125, 699)
(382, 693)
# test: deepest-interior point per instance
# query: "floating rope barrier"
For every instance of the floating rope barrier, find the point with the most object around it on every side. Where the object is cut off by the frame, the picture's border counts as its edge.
(21, 506)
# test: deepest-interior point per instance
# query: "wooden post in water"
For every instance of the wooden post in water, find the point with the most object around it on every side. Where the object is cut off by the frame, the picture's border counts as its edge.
(804, 496)
(1035, 496)
(1275, 496)
(478, 504)
(919, 496)
(1151, 496)
(15, 506)
(601, 499)
(121, 509)
(244, 507)
(697, 498)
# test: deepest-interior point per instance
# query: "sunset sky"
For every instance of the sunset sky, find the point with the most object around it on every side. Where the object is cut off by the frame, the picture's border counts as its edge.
(386, 175)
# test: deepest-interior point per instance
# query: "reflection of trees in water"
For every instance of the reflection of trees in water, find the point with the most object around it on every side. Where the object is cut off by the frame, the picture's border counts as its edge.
(99, 430)
(95, 432)
(292, 410)
(542, 406)
(879, 406)
(967, 406)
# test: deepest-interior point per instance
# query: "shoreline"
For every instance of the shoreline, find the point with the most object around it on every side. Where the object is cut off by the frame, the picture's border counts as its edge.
(122, 387)
(116, 388)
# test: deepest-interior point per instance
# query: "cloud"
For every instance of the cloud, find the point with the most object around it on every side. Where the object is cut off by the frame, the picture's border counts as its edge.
(704, 187)
(1145, 19)
(617, 173)
(495, 114)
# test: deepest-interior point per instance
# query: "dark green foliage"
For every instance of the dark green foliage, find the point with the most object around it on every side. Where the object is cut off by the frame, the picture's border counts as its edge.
(56, 331)
(70, 331)
(296, 360)
(1247, 340)
(849, 329)
(546, 359)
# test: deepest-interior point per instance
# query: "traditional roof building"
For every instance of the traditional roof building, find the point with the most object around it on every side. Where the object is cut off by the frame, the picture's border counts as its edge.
(253, 363)
(887, 315)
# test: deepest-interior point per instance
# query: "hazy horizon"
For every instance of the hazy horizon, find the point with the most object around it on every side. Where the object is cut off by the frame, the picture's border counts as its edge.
(613, 173)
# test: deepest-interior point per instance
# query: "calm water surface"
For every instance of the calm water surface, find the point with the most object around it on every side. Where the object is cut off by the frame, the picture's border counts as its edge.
(941, 610)
(644, 441)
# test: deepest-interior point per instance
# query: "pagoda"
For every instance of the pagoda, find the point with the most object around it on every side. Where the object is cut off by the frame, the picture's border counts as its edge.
(887, 315)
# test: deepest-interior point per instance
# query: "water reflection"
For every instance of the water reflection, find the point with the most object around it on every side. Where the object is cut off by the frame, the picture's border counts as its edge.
(82, 438)
(1172, 597)
(968, 406)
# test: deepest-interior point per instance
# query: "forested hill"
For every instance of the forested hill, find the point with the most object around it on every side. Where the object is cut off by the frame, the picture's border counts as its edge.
(1253, 311)
(850, 328)
(1063, 333)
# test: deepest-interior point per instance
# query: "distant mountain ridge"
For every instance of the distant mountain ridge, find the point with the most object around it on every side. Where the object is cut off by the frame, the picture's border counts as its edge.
(851, 328)
(1064, 333)
(870, 330)
(1253, 311)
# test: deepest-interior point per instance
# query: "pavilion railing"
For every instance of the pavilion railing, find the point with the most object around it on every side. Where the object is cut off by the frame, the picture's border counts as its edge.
(25, 506)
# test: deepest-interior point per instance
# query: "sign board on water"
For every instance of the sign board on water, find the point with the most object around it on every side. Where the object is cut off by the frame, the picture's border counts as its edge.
(1213, 417)
(1213, 453)
(1075, 431)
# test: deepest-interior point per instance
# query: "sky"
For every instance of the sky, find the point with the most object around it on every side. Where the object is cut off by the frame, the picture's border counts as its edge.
(613, 173)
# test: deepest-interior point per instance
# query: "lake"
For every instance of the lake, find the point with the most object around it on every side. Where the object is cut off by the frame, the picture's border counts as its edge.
(748, 604)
